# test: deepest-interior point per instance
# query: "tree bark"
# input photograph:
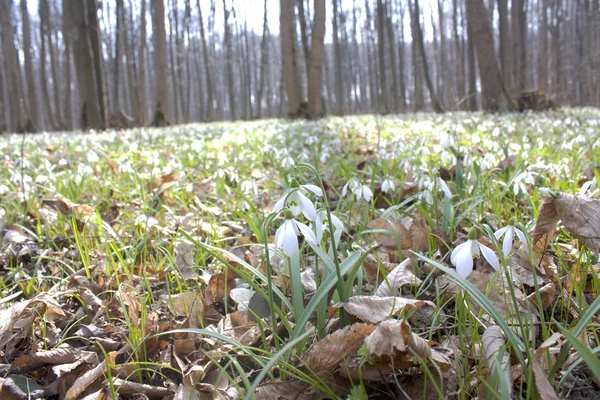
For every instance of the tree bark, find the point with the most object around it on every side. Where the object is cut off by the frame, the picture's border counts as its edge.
(505, 45)
(85, 33)
(209, 88)
(229, 62)
(337, 48)
(437, 107)
(32, 100)
(419, 100)
(44, 34)
(480, 32)
(459, 58)
(291, 75)
(160, 63)
(141, 82)
(315, 74)
(264, 60)
(383, 106)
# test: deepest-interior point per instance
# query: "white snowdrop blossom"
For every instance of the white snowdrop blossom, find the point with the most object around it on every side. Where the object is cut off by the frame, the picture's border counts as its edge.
(387, 185)
(322, 224)
(286, 236)
(360, 190)
(523, 178)
(287, 162)
(297, 201)
(462, 255)
(509, 233)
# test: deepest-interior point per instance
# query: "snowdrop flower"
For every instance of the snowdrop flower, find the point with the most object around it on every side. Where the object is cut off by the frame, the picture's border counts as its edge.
(322, 224)
(286, 237)
(509, 234)
(521, 180)
(297, 201)
(387, 185)
(462, 255)
(359, 190)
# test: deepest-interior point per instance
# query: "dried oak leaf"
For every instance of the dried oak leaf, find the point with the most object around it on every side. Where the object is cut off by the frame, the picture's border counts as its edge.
(401, 275)
(376, 309)
(395, 338)
(288, 390)
(580, 216)
(390, 233)
(326, 355)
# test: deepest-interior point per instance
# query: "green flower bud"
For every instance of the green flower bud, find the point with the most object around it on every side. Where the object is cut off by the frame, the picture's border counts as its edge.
(288, 214)
(472, 233)
(294, 183)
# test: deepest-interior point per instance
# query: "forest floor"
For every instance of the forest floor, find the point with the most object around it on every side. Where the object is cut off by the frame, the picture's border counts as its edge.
(421, 256)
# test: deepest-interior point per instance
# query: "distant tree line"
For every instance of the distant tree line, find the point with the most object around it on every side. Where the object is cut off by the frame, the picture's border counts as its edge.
(73, 64)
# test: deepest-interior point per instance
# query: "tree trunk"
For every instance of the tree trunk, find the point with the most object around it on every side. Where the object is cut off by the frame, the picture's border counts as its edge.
(173, 65)
(505, 45)
(32, 100)
(209, 88)
(264, 60)
(315, 74)
(383, 106)
(44, 34)
(459, 56)
(419, 101)
(437, 107)
(229, 62)
(443, 66)
(291, 75)
(304, 35)
(401, 63)
(338, 78)
(557, 18)
(118, 57)
(543, 33)
(480, 32)
(85, 33)
(160, 63)
(66, 27)
(141, 83)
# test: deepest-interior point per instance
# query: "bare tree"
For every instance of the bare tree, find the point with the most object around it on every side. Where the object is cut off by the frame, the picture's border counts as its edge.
(264, 60)
(32, 100)
(419, 38)
(291, 73)
(315, 74)
(84, 30)
(489, 73)
(209, 87)
(160, 63)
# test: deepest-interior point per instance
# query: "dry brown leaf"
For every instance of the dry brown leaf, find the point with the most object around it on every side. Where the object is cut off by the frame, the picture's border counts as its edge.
(393, 233)
(393, 340)
(220, 285)
(127, 388)
(547, 293)
(376, 309)
(84, 381)
(493, 343)
(545, 226)
(543, 386)
(581, 217)
(289, 390)
(129, 296)
(401, 275)
(326, 355)
(184, 257)
(16, 322)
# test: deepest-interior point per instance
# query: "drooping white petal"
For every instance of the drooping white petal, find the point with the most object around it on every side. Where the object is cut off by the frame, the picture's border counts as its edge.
(288, 238)
(279, 205)
(444, 188)
(385, 186)
(508, 240)
(490, 256)
(357, 192)
(337, 223)
(464, 261)
(345, 189)
(457, 250)
(498, 234)
(367, 193)
(521, 236)
(308, 208)
(313, 188)
(309, 236)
